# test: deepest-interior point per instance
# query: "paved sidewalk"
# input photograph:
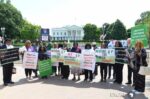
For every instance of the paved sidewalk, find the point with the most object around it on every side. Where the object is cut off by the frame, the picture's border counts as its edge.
(56, 88)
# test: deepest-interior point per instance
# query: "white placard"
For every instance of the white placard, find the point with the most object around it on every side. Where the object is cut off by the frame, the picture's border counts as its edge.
(144, 70)
(89, 60)
(44, 38)
(30, 60)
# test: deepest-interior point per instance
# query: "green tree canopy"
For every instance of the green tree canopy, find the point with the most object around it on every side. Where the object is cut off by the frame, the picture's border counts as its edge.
(118, 30)
(11, 19)
(30, 31)
(91, 32)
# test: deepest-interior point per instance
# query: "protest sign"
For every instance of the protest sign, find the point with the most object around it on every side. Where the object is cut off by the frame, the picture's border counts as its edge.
(144, 70)
(121, 57)
(124, 43)
(72, 59)
(30, 60)
(139, 33)
(55, 53)
(45, 67)
(88, 57)
(61, 55)
(105, 55)
(9, 55)
(44, 34)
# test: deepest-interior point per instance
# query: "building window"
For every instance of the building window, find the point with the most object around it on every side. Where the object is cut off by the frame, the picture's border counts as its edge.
(53, 33)
(69, 33)
(79, 32)
(57, 33)
(74, 33)
(65, 33)
(61, 33)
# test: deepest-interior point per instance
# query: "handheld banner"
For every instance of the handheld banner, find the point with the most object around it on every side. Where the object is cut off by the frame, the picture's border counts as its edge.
(88, 57)
(61, 55)
(45, 68)
(121, 55)
(9, 55)
(55, 53)
(72, 59)
(105, 55)
(139, 33)
(30, 60)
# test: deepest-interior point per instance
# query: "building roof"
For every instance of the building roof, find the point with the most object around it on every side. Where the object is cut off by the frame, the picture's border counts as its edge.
(68, 27)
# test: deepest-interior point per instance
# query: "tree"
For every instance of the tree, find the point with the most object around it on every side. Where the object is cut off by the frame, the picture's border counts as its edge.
(129, 33)
(8, 1)
(11, 19)
(2, 1)
(29, 31)
(91, 32)
(118, 31)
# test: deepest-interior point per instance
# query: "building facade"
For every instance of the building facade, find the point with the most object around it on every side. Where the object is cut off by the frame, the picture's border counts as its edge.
(67, 33)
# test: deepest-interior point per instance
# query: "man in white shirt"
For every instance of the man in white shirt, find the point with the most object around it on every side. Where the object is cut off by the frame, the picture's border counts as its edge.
(7, 68)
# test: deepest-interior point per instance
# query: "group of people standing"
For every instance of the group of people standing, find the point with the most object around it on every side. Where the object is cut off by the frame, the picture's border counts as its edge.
(137, 56)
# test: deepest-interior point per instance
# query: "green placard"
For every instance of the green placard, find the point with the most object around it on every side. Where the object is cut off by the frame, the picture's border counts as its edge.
(139, 33)
(105, 55)
(45, 67)
(55, 54)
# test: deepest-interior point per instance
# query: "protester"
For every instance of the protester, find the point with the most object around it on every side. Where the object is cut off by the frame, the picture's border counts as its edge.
(118, 66)
(111, 66)
(65, 70)
(55, 64)
(60, 64)
(96, 64)
(49, 46)
(42, 55)
(7, 68)
(130, 56)
(88, 73)
(76, 70)
(27, 48)
(140, 60)
(103, 66)
(36, 48)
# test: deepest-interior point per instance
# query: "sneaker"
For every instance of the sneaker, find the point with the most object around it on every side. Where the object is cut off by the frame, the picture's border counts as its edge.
(104, 80)
(29, 78)
(74, 79)
(5, 84)
(133, 85)
(85, 79)
(128, 83)
(133, 90)
(35, 76)
(78, 79)
(138, 92)
(90, 80)
(11, 82)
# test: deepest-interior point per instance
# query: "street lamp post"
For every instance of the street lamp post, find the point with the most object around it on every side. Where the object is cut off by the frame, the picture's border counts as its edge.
(103, 32)
(3, 33)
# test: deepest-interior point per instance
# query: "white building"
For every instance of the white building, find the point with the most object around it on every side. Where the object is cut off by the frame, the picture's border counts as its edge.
(67, 33)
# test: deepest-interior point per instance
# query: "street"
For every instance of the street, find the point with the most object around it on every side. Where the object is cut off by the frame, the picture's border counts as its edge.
(56, 88)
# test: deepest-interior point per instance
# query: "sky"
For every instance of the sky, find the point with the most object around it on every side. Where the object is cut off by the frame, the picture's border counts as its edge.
(59, 13)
